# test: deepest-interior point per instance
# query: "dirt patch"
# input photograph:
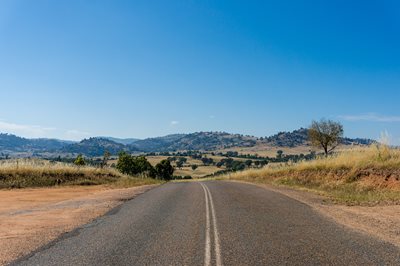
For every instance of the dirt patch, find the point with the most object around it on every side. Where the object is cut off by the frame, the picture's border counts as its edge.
(30, 218)
(381, 221)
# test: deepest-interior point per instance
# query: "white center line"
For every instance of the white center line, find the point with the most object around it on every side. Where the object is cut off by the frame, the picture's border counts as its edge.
(207, 258)
(216, 234)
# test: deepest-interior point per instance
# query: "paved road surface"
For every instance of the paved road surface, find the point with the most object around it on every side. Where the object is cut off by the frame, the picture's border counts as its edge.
(214, 223)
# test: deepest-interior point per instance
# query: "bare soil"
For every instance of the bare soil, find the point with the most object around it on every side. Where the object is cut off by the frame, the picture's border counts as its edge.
(30, 218)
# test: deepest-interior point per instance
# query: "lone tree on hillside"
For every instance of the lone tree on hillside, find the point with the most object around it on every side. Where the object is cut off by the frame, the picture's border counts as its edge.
(325, 134)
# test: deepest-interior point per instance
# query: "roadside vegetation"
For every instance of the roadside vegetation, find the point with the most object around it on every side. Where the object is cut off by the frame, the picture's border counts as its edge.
(362, 175)
(23, 173)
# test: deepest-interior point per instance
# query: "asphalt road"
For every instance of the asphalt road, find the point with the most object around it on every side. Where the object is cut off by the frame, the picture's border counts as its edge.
(214, 223)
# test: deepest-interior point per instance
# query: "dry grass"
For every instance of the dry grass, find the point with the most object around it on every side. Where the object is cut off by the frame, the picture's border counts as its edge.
(270, 151)
(363, 175)
(24, 173)
(200, 172)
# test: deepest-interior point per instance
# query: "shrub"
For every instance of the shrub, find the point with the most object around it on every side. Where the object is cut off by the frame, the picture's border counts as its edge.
(79, 161)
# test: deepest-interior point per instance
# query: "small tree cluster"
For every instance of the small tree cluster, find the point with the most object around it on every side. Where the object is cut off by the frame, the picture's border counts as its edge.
(132, 165)
(207, 161)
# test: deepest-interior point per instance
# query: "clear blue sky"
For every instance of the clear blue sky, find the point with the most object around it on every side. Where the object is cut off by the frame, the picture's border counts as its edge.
(72, 69)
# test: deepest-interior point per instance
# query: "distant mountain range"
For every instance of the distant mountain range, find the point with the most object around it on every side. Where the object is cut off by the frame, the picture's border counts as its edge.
(11, 145)
(121, 141)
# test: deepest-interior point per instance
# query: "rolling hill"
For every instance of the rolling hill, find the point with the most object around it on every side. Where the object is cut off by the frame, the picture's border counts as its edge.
(94, 147)
(195, 141)
(10, 143)
(207, 141)
(126, 141)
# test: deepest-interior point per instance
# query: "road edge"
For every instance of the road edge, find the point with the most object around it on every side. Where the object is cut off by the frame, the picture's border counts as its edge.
(77, 229)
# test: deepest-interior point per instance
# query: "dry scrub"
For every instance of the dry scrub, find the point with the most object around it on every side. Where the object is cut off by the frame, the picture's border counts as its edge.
(24, 173)
(357, 176)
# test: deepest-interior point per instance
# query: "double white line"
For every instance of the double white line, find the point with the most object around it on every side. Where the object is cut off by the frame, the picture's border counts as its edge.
(207, 257)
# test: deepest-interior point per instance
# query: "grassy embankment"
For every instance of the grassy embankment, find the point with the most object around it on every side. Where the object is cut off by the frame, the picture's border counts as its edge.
(23, 173)
(357, 176)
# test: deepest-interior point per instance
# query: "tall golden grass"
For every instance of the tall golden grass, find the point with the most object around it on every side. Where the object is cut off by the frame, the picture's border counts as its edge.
(21, 173)
(357, 175)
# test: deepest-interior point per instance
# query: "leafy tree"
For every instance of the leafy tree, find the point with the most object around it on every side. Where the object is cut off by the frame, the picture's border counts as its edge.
(183, 159)
(325, 134)
(279, 154)
(227, 162)
(79, 161)
(106, 157)
(131, 165)
(179, 164)
(263, 163)
(125, 163)
(143, 166)
(164, 170)
(171, 159)
(194, 167)
(207, 161)
(248, 163)
(238, 166)
(219, 164)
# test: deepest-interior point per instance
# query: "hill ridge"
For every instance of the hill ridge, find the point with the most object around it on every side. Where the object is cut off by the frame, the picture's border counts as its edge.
(202, 140)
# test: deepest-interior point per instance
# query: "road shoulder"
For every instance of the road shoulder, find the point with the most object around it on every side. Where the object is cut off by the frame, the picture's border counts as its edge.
(30, 218)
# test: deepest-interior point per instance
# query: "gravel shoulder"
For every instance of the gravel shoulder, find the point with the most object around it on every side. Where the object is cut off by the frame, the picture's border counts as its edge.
(30, 218)
(382, 221)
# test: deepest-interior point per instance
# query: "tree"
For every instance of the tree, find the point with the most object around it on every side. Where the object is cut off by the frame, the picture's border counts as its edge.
(194, 167)
(263, 163)
(279, 154)
(325, 134)
(207, 161)
(79, 161)
(125, 163)
(238, 166)
(106, 157)
(164, 170)
(179, 164)
(248, 163)
(131, 165)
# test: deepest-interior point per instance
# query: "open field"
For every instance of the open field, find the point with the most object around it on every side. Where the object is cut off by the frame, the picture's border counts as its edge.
(264, 150)
(357, 176)
(24, 173)
(271, 151)
(30, 218)
(200, 172)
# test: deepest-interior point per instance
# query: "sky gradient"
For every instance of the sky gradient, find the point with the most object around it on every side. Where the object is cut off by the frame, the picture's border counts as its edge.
(74, 69)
